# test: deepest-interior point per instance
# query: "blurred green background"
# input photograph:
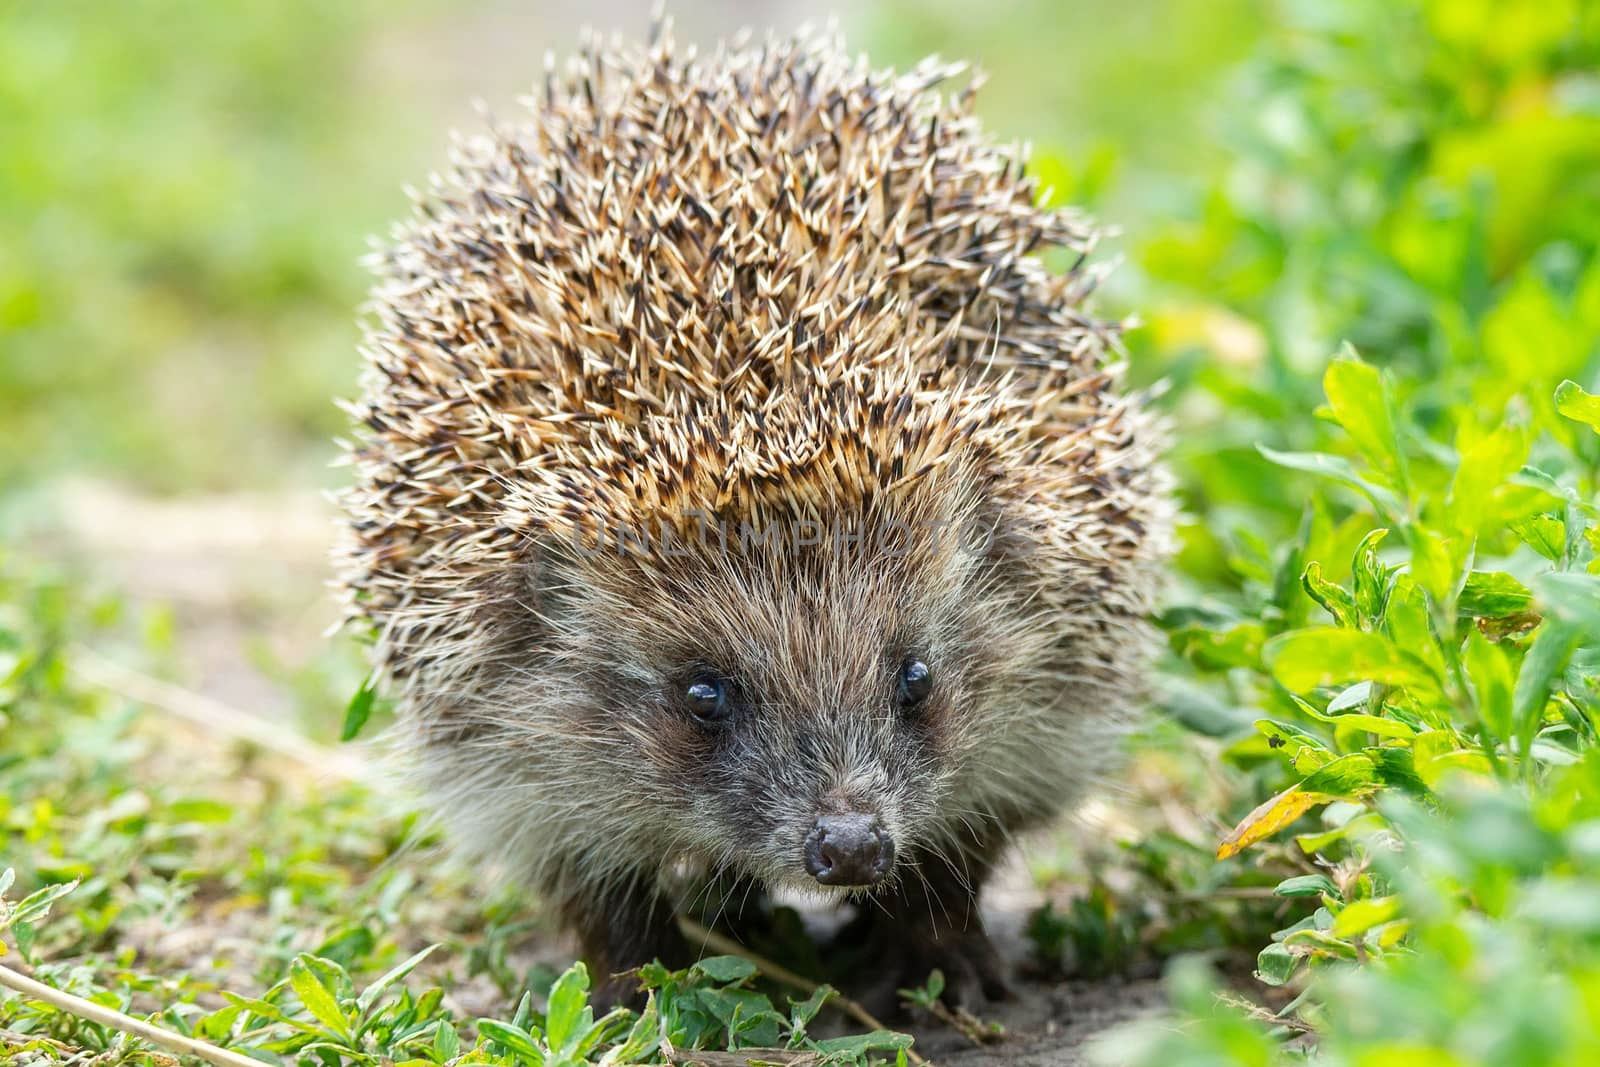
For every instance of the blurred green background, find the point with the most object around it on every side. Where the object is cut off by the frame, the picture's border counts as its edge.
(186, 188)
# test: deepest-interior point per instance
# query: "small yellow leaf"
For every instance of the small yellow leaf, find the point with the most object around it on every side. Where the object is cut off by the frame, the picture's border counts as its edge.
(1269, 818)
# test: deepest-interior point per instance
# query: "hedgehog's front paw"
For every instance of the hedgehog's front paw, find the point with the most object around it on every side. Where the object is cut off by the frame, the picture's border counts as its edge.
(620, 933)
(617, 991)
(904, 956)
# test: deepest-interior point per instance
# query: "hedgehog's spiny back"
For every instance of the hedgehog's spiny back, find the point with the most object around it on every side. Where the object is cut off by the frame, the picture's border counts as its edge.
(759, 281)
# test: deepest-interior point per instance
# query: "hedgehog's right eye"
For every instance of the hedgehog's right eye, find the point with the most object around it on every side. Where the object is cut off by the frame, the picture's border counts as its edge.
(916, 682)
(706, 698)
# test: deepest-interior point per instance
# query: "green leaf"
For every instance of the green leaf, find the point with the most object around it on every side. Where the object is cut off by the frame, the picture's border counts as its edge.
(1355, 775)
(519, 1042)
(216, 1026)
(1354, 696)
(1569, 905)
(256, 1006)
(370, 994)
(1405, 620)
(567, 1015)
(801, 1012)
(1305, 750)
(1578, 405)
(1332, 598)
(1275, 964)
(726, 969)
(318, 999)
(1360, 402)
(1545, 535)
(642, 1040)
(1362, 915)
(1493, 595)
(1323, 943)
(1538, 478)
(446, 1042)
(359, 710)
(1210, 650)
(1370, 578)
(1571, 598)
(1394, 768)
(1358, 722)
(36, 905)
(1437, 561)
(603, 1031)
(1489, 670)
(523, 1016)
(1324, 655)
(1546, 658)
(201, 811)
(1306, 885)
(644, 1037)
(860, 1044)
(1340, 470)
(1435, 753)
(1313, 843)
(1485, 461)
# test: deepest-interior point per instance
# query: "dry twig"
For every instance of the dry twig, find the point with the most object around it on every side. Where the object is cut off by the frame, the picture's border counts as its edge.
(966, 1024)
(780, 1057)
(1265, 1015)
(98, 1013)
(214, 716)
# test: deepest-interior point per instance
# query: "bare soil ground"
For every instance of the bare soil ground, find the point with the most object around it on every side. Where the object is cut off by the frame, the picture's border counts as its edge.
(1048, 1026)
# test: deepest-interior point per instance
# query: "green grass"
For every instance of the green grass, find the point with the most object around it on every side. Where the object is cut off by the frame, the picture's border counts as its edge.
(187, 190)
(156, 871)
(1369, 269)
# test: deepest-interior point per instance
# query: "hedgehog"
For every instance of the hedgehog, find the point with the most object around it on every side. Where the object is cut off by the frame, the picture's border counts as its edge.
(744, 495)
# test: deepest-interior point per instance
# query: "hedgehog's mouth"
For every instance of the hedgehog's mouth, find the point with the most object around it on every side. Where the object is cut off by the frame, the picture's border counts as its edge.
(802, 889)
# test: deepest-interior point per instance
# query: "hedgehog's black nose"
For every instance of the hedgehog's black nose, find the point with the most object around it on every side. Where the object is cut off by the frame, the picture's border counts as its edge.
(848, 850)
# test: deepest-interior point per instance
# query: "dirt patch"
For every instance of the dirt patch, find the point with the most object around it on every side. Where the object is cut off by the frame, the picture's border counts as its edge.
(1047, 1025)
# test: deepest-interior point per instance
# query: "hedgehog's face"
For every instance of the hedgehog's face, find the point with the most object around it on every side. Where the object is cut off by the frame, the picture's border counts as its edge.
(799, 717)
(820, 783)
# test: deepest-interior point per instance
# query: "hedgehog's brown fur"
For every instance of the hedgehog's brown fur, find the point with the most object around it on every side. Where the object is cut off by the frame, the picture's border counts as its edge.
(766, 287)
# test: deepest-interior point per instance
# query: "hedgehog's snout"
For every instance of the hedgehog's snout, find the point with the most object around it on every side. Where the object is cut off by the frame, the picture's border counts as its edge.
(849, 850)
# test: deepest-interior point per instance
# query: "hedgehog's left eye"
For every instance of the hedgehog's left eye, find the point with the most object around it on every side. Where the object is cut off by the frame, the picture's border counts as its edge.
(706, 698)
(916, 682)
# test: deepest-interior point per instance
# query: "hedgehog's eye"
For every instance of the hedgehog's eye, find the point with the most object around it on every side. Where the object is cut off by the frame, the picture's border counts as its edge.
(706, 698)
(916, 682)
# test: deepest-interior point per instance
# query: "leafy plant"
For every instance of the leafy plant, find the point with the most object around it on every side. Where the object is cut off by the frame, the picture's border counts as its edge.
(1393, 616)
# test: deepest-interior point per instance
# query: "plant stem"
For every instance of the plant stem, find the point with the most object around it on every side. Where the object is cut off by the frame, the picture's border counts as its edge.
(98, 1013)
